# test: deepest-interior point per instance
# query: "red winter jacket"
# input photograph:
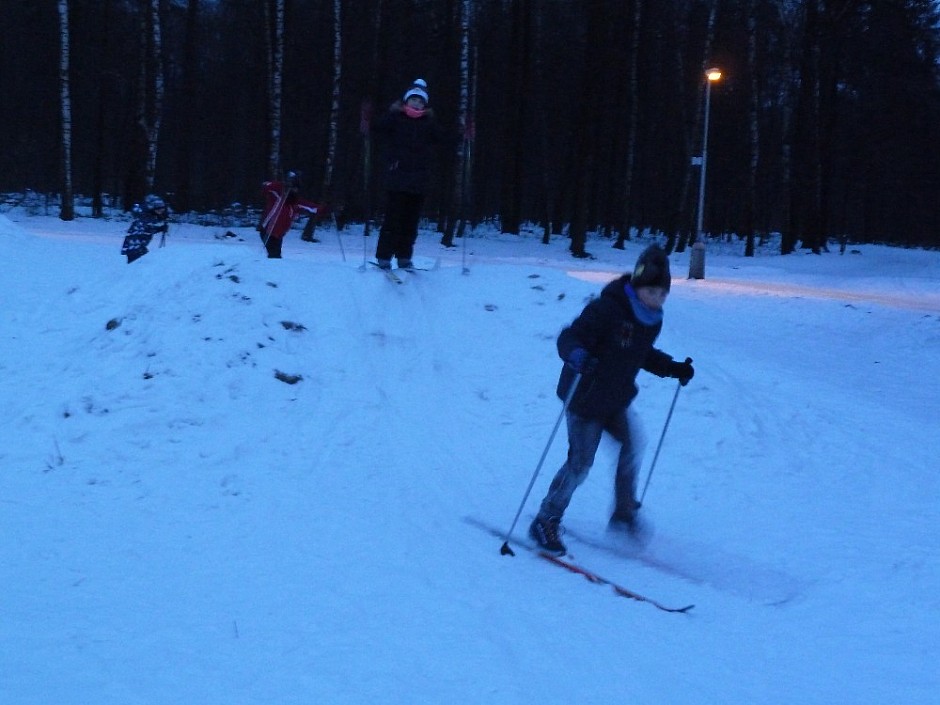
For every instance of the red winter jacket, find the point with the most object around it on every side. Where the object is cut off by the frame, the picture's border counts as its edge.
(282, 208)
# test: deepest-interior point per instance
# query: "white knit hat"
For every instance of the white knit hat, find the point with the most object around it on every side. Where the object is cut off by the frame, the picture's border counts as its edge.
(418, 88)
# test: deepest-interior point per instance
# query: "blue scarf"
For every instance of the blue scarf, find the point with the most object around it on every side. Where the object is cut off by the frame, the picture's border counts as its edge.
(644, 314)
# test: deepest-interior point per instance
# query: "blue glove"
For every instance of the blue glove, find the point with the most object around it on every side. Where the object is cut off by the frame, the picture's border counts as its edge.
(580, 360)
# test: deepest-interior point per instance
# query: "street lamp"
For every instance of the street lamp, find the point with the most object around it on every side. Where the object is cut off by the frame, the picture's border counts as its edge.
(697, 260)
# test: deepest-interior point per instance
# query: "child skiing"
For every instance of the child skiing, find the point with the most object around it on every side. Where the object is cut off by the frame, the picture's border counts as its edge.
(608, 344)
(282, 206)
(150, 220)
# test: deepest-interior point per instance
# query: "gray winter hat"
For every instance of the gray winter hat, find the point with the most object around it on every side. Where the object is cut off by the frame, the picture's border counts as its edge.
(652, 269)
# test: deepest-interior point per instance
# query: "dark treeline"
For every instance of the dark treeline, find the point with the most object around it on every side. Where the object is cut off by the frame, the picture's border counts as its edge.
(825, 123)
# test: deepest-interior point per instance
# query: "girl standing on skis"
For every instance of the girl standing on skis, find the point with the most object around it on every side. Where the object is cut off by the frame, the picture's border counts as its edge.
(408, 132)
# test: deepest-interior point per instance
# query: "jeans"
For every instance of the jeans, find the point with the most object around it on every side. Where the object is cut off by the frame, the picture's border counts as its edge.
(584, 436)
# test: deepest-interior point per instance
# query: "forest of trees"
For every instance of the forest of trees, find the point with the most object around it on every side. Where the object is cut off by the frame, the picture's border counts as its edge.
(588, 114)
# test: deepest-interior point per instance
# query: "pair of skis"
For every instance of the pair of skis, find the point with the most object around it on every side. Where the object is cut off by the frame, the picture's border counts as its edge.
(392, 274)
(593, 577)
(568, 563)
(389, 274)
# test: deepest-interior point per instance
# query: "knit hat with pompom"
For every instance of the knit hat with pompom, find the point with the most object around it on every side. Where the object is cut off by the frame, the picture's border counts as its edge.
(418, 88)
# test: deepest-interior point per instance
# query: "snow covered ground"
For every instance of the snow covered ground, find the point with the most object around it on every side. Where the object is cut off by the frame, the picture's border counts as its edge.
(180, 525)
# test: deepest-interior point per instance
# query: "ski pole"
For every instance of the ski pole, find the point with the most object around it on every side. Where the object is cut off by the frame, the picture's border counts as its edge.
(342, 249)
(467, 165)
(365, 256)
(365, 125)
(466, 184)
(505, 550)
(659, 446)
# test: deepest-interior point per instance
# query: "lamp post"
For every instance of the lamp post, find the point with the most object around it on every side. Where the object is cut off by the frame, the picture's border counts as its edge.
(697, 260)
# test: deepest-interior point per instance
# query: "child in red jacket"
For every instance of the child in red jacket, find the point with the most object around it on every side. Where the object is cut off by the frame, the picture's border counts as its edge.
(282, 206)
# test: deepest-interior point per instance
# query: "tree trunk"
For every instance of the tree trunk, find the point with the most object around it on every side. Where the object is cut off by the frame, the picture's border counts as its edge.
(326, 193)
(514, 134)
(103, 129)
(67, 211)
(187, 140)
(334, 106)
(275, 47)
(790, 21)
(684, 200)
(462, 162)
(154, 115)
(632, 119)
(586, 150)
(750, 196)
(803, 187)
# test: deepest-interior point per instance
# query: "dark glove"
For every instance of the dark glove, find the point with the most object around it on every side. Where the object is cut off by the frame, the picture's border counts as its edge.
(580, 360)
(682, 371)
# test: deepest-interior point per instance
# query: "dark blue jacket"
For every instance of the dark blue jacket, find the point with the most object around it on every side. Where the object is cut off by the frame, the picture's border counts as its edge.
(611, 333)
(141, 232)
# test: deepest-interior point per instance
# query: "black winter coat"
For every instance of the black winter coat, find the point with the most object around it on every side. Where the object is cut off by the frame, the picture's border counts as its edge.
(408, 144)
(611, 333)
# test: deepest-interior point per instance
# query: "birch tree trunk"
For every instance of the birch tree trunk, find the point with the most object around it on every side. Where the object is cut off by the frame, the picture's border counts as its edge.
(67, 211)
(155, 113)
(275, 42)
(457, 225)
(334, 107)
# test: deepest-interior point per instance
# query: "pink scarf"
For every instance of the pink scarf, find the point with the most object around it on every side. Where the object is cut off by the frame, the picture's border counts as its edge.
(414, 112)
